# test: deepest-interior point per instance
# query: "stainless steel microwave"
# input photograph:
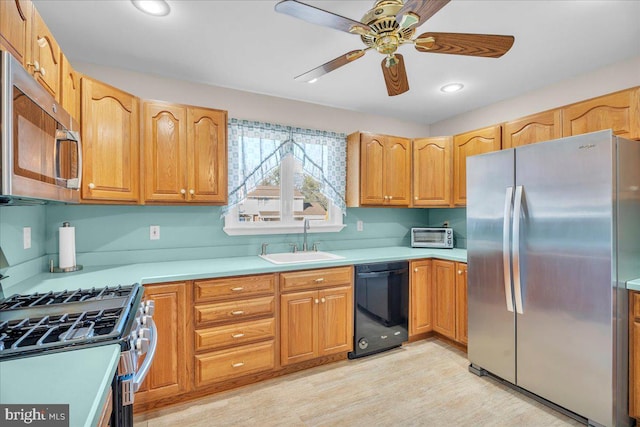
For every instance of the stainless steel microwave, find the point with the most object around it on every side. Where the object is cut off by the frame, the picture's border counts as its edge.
(432, 237)
(40, 150)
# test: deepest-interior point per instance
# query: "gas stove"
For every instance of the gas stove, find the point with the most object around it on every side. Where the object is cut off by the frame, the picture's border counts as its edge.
(41, 323)
(54, 321)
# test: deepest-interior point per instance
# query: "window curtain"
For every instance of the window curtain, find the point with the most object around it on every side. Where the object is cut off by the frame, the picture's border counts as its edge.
(256, 149)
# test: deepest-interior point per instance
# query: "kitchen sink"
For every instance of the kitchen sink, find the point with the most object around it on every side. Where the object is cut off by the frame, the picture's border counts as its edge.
(300, 257)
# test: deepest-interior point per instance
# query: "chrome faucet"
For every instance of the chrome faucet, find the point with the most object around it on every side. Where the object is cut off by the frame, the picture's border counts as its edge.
(305, 228)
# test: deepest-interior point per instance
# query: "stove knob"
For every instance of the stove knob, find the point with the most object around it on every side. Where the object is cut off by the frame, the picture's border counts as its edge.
(146, 319)
(144, 333)
(149, 308)
(142, 345)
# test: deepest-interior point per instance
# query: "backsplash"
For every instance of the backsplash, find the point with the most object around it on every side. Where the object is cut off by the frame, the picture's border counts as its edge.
(108, 235)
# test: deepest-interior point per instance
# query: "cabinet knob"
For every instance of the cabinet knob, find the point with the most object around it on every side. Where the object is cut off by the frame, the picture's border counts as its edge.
(415, 270)
(459, 271)
(192, 191)
(319, 280)
(42, 71)
(183, 191)
(237, 289)
(42, 42)
(390, 197)
(415, 198)
(238, 335)
(322, 300)
(237, 365)
(237, 313)
(91, 186)
(316, 300)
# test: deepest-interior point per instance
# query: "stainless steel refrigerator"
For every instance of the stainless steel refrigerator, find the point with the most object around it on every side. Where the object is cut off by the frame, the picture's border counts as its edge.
(553, 235)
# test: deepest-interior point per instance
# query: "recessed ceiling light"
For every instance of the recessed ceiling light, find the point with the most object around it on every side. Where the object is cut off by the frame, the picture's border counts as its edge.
(152, 7)
(452, 87)
(313, 80)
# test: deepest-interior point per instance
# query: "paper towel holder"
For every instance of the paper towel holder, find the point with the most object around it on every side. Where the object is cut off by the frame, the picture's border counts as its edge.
(71, 269)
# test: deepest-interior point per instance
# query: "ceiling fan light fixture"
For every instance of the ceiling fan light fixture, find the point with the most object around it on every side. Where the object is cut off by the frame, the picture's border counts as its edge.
(152, 7)
(452, 87)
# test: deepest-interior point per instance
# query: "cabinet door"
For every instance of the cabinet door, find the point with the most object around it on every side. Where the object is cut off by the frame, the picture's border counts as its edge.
(207, 155)
(15, 27)
(529, 130)
(46, 53)
(110, 137)
(469, 144)
(634, 355)
(69, 88)
(168, 375)
(461, 303)
(165, 152)
(420, 298)
(372, 149)
(619, 111)
(432, 171)
(335, 320)
(444, 297)
(298, 327)
(397, 171)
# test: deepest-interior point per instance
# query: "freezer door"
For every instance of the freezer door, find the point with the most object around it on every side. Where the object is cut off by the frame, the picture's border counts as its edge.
(490, 181)
(563, 242)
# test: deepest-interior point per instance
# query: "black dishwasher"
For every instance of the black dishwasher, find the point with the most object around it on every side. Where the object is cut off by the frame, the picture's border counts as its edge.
(381, 307)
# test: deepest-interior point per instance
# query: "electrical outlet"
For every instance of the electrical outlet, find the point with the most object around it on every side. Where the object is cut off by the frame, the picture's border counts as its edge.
(359, 225)
(154, 232)
(26, 237)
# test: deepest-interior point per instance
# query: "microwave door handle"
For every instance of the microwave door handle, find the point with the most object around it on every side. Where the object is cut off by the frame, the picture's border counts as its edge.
(68, 135)
(146, 364)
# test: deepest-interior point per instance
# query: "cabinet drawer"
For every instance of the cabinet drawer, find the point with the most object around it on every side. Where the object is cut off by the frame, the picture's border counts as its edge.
(234, 286)
(636, 304)
(226, 364)
(311, 279)
(235, 310)
(237, 333)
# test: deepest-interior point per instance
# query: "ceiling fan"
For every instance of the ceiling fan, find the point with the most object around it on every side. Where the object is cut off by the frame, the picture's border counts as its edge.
(386, 27)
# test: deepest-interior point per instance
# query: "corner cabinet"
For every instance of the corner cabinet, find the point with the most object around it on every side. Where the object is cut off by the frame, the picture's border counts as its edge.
(450, 299)
(110, 137)
(169, 373)
(469, 144)
(378, 170)
(420, 298)
(431, 164)
(619, 111)
(185, 154)
(316, 314)
(634, 355)
(535, 128)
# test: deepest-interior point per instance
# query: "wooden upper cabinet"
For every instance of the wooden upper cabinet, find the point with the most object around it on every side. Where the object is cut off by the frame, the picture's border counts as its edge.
(535, 128)
(378, 170)
(207, 155)
(470, 144)
(619, 111)
(44, 62)
(432, 158)
(110, 137)
(165, 152)
(15, 28)
(185, 154)
(69, 88)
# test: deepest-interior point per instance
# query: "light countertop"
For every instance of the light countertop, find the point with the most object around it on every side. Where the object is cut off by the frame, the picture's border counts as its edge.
(634, 285)
(79, 378)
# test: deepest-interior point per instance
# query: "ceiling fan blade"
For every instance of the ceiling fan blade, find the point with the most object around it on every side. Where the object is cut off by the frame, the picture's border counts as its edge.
(395, 76)
(425, 9)
(331, 65)
(322, 17)
(485, 45)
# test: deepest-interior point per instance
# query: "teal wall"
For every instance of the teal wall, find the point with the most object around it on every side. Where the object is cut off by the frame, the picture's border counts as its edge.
(457, 218)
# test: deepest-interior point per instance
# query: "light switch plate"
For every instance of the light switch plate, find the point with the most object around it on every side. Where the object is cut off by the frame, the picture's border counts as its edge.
(154, 232)
(359, 225)
(26, 237)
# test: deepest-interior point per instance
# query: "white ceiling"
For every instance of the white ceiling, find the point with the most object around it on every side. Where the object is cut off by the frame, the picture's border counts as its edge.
(246, 45)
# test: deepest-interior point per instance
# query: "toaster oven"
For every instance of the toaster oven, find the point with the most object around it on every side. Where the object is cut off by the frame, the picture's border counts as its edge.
(432, 237)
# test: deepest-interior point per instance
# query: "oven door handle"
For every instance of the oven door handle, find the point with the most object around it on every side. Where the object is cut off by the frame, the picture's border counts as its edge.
(146, 364)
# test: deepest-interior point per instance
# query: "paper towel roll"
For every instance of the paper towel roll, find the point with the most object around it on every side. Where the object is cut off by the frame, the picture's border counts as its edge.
(67, 246)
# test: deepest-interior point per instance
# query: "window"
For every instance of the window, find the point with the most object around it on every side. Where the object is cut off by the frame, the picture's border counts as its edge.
(279, 177)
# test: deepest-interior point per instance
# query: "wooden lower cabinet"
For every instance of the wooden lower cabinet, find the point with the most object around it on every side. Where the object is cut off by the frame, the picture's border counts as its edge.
(169, 373)
(450, 299)
(420, 297)
(230, 363)
(461, 303)
(316, 322)
(634, 355)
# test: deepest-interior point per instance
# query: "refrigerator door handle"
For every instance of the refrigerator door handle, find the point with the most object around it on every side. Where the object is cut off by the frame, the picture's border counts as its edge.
(516, 249)
(506, 240)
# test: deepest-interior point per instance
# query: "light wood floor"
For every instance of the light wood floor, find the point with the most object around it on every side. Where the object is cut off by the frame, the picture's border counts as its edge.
(421, 384)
